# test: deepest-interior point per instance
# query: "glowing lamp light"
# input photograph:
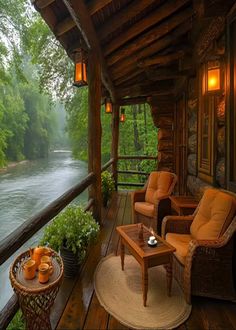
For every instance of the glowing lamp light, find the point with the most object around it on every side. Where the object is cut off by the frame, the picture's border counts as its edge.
(213, 79)
(108, 106)
(80, 78)
(122, 115)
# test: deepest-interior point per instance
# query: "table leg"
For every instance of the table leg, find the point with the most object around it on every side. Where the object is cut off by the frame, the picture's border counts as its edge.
(122, 254)
(169, 276)
(145, 283)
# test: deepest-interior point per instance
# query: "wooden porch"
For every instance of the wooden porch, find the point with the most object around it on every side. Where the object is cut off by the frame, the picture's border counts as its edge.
(77, 306)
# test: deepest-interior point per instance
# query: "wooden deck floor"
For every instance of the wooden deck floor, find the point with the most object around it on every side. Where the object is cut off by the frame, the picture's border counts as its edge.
(78, 306)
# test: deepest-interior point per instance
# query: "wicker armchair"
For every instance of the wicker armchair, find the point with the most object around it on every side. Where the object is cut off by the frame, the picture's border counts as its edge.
(204, 261)
(150, 204)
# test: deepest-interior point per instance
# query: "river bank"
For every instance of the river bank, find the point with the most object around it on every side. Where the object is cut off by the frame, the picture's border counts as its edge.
(13, 164)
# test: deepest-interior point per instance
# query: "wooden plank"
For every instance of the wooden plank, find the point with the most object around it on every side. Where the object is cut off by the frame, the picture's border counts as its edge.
(96, 5)
(77, 307)
(64, 26)
(80, 15)
(113, 246)
(148, 37)
(8, 312)
(161, 59)
(97, 317)
(115, 325)
(128, 62)
(123, 16)
(156, 16)
(133, 100)
(42, 3)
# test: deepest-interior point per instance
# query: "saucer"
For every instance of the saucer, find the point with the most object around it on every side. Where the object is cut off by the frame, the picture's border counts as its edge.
(152, 244)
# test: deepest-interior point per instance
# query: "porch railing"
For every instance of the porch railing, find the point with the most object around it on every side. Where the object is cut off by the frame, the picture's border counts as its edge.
(134, 172)
(24, 232)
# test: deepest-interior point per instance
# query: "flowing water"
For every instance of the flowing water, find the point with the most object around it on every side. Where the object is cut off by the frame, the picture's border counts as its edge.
(26, 189)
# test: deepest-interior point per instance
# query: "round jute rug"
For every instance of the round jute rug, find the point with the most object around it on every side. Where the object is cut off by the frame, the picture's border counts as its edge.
(120, 293)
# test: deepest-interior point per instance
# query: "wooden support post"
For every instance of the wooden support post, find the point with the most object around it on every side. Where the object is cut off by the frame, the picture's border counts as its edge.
(115, 141)
(94, 131)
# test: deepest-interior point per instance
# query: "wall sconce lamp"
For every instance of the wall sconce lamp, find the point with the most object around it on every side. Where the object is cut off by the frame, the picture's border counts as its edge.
(108, 105)
(213, 77)
(80, 78)
(122, 115)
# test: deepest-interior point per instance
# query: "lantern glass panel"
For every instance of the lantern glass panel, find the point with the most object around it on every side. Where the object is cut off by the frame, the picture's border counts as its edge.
(213, 81)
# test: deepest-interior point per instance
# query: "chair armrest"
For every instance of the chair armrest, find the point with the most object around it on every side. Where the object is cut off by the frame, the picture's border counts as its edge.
(138, 196)
(176, 224)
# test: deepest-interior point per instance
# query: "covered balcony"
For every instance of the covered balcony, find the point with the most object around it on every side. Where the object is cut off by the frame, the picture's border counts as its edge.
(179, 57)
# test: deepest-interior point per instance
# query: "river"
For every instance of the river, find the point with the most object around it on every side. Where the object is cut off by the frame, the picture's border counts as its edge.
(26, 189)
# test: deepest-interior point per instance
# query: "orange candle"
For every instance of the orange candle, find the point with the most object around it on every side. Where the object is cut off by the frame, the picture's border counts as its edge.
(29, 268)
(43, 273)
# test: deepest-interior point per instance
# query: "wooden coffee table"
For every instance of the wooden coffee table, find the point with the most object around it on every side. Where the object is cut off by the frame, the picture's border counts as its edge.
(146, 256)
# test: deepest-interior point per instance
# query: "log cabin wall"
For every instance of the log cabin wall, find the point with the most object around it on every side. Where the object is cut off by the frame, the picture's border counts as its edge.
(163, 114)
(211, 172)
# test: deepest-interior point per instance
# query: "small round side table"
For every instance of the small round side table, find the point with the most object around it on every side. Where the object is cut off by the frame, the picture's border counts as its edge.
(36, 299)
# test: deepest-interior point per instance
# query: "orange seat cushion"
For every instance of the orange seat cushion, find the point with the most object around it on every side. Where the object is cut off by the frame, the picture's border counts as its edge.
(181, 243)
(215, 212)
(144, 208)
(158, 185)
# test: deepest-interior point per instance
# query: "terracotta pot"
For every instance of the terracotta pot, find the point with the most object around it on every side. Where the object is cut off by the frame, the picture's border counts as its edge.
(71, 262)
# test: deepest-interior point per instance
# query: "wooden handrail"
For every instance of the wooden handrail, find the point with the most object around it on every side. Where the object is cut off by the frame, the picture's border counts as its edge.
(132, 172)
(131, 184)
(8, 311)
(19, 236)
(137, 157)
(89, 204)
(109, 163)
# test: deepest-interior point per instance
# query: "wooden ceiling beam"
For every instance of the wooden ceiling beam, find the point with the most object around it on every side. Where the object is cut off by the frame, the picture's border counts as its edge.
(130, 63)
(83, 21)
(165, 73)
(145, 90)
(122, 17)
(150, 37)
(162, 12)
(161, 59)
(62, 27)
(40, 4)
(96, 5)
(126, 77)
(133, 100)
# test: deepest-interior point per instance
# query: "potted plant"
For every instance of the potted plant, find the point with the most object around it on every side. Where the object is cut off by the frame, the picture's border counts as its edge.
(108, 186)
(71, 232)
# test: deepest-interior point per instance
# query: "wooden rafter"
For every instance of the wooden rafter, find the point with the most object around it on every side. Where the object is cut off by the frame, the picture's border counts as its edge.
(133, 100)
(146, 89)
(42, 3)
(155, 17)
(165, 73)
(64, 26)
(83, 21)
(122, 17)
(96, 5)
(161, 59)
(130, 63)
(148, 38)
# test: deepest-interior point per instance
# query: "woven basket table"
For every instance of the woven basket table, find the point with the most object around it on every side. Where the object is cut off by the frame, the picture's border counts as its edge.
(36, 299)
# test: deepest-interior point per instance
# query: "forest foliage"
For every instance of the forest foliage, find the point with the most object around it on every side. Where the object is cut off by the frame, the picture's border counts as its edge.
(36, 83)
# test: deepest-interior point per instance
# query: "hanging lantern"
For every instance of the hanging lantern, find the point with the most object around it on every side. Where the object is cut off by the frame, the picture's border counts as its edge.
(108, 106)
(80, 78)
(213, 76)
(122, 115)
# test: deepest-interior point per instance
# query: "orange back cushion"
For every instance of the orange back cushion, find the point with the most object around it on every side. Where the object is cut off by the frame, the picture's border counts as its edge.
(215, 213)
(158, 185)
